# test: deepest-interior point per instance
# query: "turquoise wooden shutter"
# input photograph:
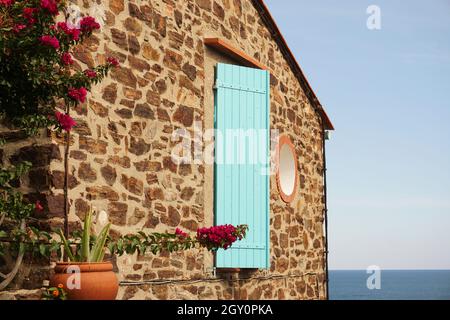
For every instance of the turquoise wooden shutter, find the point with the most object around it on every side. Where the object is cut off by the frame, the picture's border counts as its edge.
(242, 100)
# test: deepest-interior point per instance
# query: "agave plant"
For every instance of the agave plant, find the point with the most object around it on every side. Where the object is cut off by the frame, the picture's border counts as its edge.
(91, 247)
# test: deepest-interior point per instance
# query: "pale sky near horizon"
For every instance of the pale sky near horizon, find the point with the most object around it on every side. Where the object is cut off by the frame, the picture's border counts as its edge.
(388, 94)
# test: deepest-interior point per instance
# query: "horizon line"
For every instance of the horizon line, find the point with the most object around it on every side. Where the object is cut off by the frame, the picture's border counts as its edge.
(391, 269)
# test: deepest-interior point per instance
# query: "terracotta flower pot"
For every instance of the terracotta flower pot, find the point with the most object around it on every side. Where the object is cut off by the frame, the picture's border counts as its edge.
(96, 281)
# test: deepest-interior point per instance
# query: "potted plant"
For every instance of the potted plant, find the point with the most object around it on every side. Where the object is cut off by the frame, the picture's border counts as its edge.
(86, 276)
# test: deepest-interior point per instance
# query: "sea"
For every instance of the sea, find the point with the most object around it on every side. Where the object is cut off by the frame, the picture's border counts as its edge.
(390, 285)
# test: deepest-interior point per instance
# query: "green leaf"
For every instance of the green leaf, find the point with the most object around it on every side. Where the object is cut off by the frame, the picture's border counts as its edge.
(45, 235)
(66, 246)
(35, 231)
(142, 234)
(42, 249)
(112, 248)
(85, 239)
(99, 245)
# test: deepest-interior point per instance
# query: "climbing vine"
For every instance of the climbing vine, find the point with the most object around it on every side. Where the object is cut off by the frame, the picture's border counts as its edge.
(39, 84)
(37, 71)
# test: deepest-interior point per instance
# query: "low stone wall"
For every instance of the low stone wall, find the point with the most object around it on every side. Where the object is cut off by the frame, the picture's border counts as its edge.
(230, 288)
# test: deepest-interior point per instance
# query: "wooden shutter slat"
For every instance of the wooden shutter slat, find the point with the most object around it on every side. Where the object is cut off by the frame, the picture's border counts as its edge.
(242, 99)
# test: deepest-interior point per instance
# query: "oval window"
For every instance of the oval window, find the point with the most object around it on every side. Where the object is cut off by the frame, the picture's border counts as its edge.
(287, 175)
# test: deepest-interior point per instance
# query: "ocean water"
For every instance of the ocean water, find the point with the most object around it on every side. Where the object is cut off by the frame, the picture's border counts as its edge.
(395, 285)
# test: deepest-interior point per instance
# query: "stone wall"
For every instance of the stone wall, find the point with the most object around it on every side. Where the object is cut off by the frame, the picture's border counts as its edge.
(36, 185)
(120, 158)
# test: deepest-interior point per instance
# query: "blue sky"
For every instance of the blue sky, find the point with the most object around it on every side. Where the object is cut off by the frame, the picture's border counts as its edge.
(388, 94)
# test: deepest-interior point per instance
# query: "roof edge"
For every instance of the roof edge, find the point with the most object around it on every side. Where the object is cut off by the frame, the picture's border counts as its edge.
(289, 56)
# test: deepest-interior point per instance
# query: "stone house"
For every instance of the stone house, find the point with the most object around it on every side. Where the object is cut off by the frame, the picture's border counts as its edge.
(184, 64)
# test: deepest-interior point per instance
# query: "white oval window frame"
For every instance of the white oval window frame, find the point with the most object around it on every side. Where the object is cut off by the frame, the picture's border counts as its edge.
(287, 185)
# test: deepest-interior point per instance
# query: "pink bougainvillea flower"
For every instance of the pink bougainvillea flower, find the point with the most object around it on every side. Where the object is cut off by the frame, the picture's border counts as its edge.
(50, 6)
(6, 3)
(63, 26)
(78, 94)
(28, 14)
(65, 121)
(88, 24)
(71, 32)
(218, 236)
(90, 73)
(113, 61)
(19, 27)
(38, 206)
(75, 33)
(50, 41)
(66, 59)
(181, 233)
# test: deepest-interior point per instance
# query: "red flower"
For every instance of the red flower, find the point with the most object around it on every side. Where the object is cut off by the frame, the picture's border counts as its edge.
(218, 236)
(50, 41)
(75, 33)
(78, 94)
(19, 27)
(88, 24)
(28, 14)
(6, 3)
(113, 61)
(63, 26)
(71, 32)
(181, 233)
(65, 121)
(50, 6)
(90, 73)
(38, 206)
(66, 59)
